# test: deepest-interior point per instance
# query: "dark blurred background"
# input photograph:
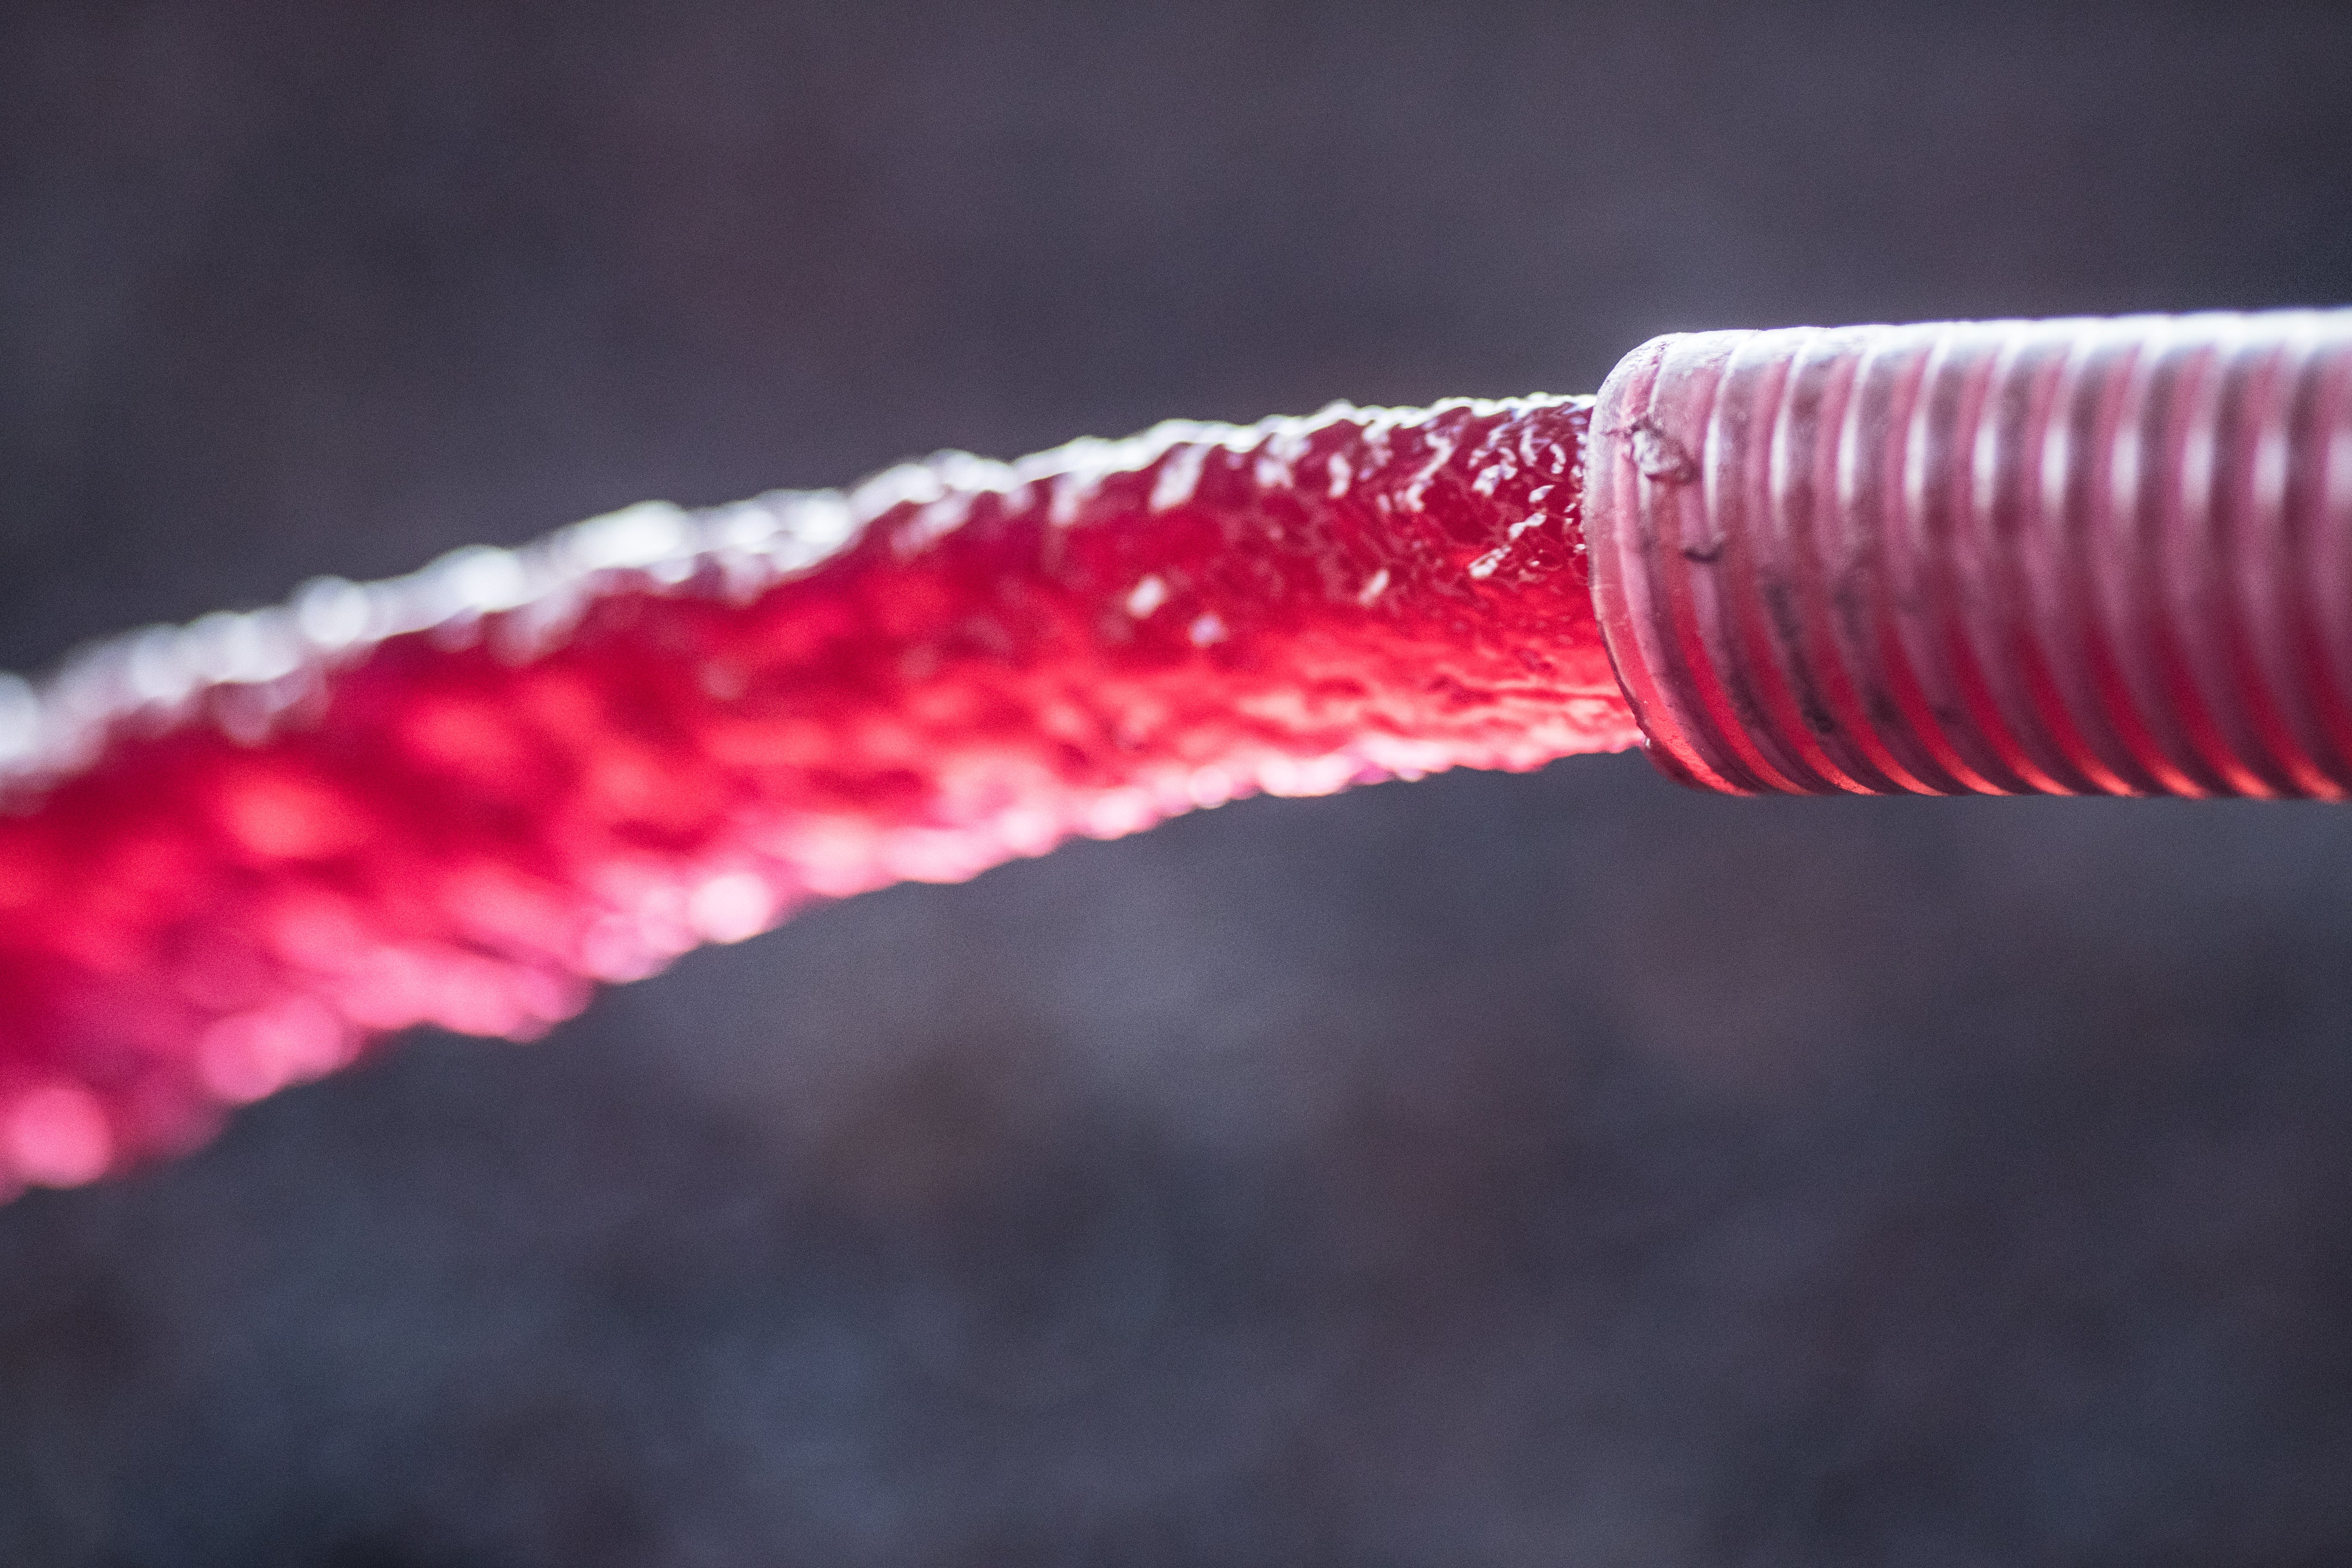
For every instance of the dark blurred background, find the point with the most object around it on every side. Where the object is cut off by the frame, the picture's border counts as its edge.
(1544, 1170)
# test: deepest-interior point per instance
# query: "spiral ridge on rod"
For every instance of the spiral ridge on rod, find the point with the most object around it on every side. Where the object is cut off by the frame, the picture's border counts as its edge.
(2063, 557)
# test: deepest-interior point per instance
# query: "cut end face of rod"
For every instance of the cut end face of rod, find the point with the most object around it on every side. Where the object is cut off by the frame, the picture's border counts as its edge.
(2063, 557)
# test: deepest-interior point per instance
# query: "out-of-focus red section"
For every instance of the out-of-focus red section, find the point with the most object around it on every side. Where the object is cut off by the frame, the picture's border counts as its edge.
(577, 766)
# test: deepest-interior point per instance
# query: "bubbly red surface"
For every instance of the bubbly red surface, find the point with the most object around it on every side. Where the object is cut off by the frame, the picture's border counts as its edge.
(242, 850)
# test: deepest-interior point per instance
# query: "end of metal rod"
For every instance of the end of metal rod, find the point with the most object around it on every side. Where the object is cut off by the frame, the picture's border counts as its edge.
(2063, 557)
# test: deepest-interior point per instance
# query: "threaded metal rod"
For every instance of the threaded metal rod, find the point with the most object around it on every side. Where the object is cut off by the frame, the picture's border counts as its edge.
(2064, 557)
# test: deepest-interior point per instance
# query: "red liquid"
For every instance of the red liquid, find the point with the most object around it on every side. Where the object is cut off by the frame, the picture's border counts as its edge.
(657, 731)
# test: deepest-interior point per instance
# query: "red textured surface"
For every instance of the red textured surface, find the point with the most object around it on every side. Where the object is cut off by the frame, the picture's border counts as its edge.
(236, 886)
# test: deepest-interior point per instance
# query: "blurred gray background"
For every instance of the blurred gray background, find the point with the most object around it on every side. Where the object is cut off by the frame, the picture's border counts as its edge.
(1544, 1170)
